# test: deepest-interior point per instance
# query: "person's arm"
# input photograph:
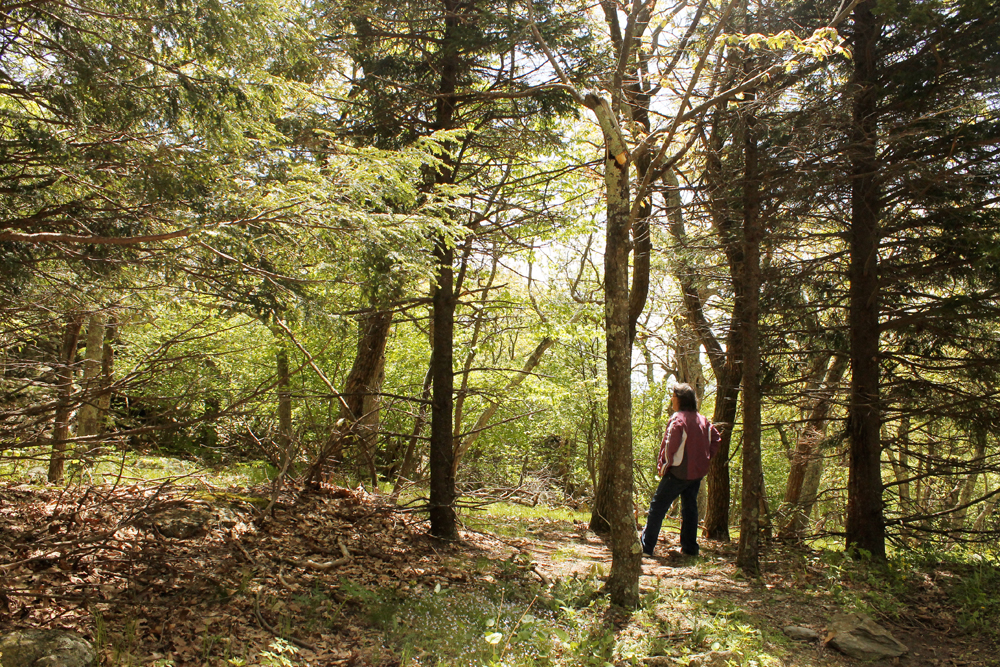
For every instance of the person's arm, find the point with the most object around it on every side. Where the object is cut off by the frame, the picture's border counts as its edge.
(671, 442)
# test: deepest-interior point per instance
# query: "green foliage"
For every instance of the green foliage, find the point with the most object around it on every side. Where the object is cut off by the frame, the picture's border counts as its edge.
(282, 654)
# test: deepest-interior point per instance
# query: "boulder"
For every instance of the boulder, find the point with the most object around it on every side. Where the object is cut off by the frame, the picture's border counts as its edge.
(182, 522)
(801, 634)
(860, 637)
(46, 648)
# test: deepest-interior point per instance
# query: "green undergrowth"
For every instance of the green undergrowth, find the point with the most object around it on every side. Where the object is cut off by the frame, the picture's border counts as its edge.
(110, 467)
(958, 581)
(509, 620)
(514, 520)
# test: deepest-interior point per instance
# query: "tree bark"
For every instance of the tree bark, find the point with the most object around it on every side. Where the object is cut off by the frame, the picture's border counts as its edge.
(623, 580)
(865, 526)
(64, 390)
(727, 363)
(748, 551)
(444, 523)
(443, 520)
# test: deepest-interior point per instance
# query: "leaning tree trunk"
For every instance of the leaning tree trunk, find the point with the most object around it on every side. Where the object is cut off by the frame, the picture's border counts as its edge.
(727, 363)
(64, 390)
(362, 381)
(865, 528)
(807, 460)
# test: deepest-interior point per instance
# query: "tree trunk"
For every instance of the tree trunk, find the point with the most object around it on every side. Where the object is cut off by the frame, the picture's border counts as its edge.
(64, 390)
(370, 422)
(727, 364)
(865, 528)
(968, 486)
(363, 381)
(748, 552)
(444, 523)
(409, 464)
(623, 580)
(88, 417)
(807, 460)
(107, 374)
(687, 352)
(284, 407)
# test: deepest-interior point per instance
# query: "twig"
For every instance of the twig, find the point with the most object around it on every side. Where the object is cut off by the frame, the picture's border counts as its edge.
(264, 624)
(324, 566)
(239, 546)
(290, 587)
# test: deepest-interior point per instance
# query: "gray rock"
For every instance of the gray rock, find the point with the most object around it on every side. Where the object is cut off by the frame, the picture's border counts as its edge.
(182, 522)
(227, 517)
(46, 648)
(801, 634)
(860, 637)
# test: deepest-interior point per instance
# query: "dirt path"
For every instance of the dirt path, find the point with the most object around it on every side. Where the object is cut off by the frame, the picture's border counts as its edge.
(794, 589)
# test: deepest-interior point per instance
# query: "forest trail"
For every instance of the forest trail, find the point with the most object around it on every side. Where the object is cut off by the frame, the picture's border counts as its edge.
(790, 592)
(321, 572)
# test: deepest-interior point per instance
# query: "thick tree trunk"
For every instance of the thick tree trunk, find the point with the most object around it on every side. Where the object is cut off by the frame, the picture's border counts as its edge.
(600, 513)
(865, 529)
(64, 390)
(639, 292)
(748, 551)
(687, 352)
(370, 423)
(623, 580)
(443, 520)
(727, 363)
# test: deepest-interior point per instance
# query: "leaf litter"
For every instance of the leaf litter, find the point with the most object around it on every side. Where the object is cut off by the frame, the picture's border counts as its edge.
(100, 561)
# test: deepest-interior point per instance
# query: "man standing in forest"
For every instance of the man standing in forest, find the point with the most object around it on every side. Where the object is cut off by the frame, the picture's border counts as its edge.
(688, 445)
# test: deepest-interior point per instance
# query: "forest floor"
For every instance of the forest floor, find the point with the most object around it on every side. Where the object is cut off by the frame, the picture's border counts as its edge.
(341, 577)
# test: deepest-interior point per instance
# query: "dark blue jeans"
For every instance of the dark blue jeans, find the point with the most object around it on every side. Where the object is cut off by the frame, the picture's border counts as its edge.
(669, 488)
